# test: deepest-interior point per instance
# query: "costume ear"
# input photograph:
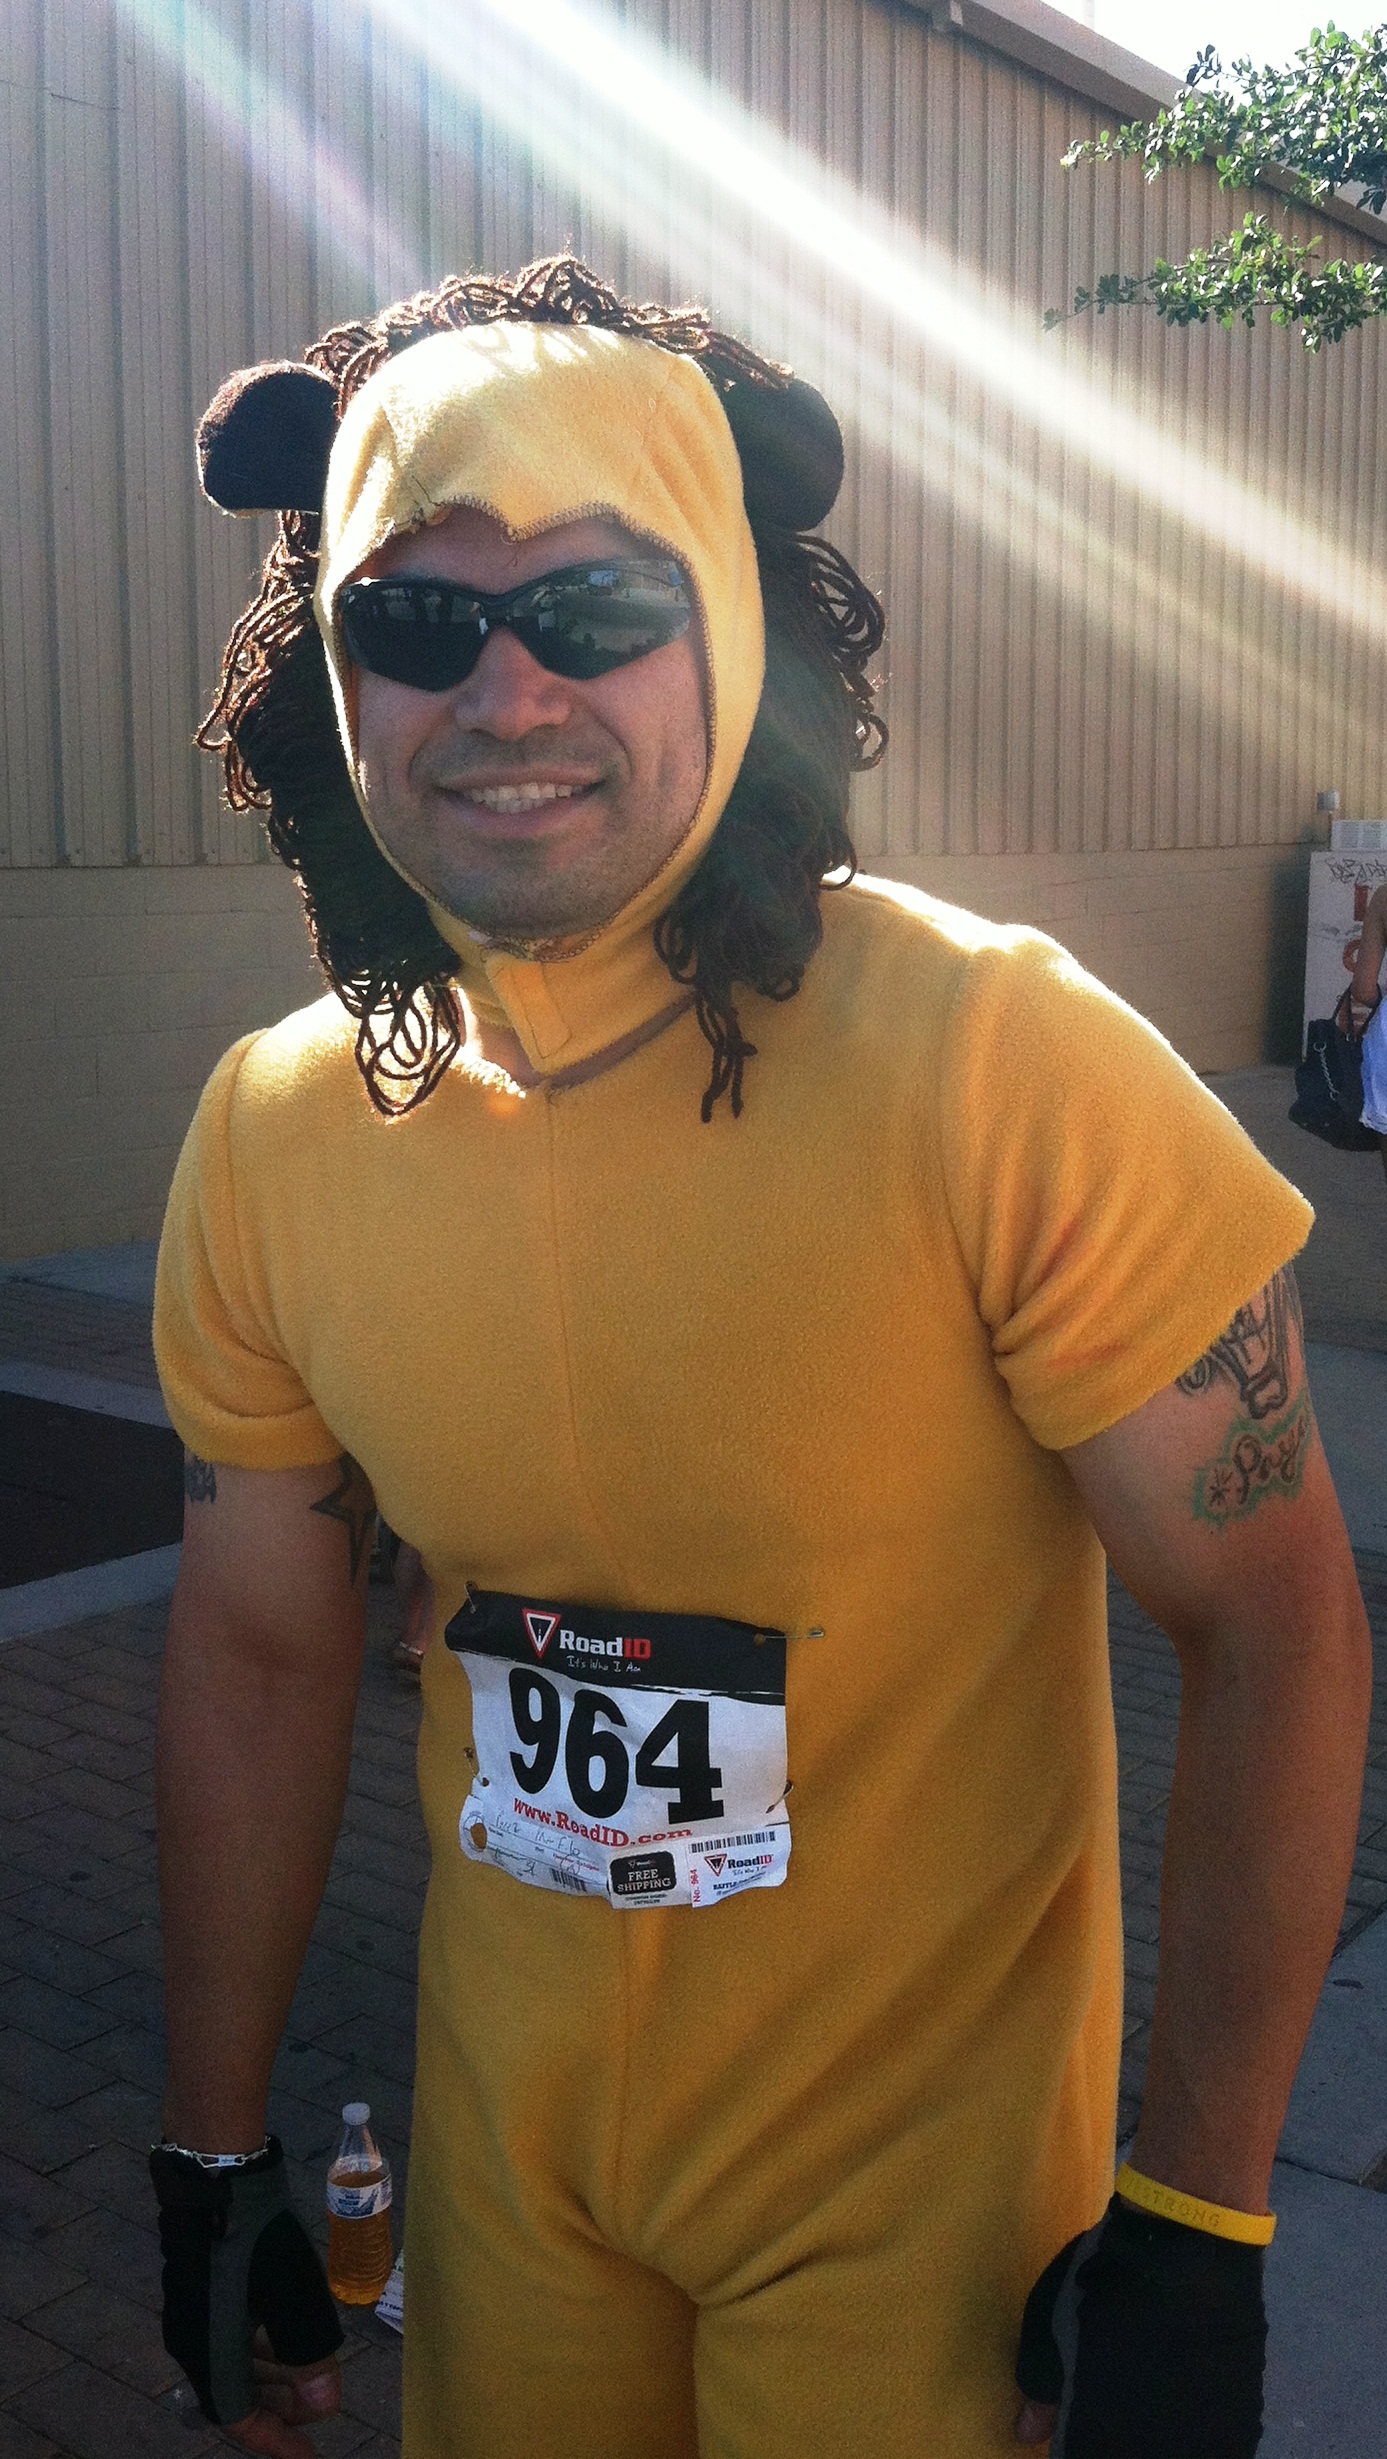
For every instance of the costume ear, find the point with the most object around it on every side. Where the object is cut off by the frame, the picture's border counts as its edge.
(263, 444)
(791, 449)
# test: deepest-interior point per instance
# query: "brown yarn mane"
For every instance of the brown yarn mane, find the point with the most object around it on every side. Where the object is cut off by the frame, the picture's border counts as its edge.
(750, 913)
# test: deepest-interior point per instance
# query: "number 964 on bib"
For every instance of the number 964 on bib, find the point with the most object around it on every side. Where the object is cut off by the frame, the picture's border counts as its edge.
(635, 1756)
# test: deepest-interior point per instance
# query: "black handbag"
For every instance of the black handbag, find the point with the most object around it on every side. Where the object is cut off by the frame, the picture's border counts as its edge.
(1329, 1083)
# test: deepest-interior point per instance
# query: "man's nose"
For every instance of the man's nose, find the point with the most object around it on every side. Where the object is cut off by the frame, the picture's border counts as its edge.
(508, 693)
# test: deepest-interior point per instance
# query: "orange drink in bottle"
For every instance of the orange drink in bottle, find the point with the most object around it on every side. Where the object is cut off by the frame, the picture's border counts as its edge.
(360, 2246)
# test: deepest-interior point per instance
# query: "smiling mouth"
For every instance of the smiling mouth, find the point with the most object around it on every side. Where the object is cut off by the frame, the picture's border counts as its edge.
(516, 800)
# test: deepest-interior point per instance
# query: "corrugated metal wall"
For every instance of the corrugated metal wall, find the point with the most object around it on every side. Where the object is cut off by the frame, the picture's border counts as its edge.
(1133, 577)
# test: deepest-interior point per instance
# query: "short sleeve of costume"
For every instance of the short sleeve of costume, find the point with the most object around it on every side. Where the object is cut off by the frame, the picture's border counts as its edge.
(1112, 1214)
(232, 1394)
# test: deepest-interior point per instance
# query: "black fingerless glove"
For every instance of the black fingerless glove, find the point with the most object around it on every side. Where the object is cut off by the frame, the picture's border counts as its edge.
(1151, 2337)
(236, 2256)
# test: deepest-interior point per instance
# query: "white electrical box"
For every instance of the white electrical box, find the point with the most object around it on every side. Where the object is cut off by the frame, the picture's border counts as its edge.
(1341, 883)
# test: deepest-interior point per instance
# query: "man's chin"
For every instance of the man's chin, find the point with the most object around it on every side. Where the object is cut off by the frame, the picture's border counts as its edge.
(520, 924)
(515, 899)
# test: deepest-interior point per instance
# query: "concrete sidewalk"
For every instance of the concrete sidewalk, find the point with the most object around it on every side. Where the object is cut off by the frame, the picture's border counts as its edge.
(1328, 2360)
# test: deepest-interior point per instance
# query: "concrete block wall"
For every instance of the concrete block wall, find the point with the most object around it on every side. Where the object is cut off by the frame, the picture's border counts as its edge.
(1209, 943)
(119, 990)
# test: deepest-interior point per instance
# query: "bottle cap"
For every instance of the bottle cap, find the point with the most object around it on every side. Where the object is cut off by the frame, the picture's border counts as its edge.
(356, 2113)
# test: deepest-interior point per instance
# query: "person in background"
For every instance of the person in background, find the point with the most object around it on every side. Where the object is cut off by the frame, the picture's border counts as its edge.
(1370, 1016)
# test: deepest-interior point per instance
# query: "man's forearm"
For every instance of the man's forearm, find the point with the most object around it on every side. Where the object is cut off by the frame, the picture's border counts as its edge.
(1372, 948)
(252, 1771)
(1259, 1850)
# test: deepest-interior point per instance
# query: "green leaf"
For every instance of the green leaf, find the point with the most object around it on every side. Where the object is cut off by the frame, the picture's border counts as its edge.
(1255, 266)
(1321, 119)
(1322, 122)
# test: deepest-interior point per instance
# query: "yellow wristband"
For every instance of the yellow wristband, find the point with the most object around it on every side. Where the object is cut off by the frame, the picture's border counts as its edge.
(1246, 2228)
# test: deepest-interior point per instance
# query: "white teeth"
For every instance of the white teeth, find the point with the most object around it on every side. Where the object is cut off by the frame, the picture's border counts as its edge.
(517, 798)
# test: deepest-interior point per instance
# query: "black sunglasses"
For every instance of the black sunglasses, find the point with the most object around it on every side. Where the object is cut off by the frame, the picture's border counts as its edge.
(581, 622)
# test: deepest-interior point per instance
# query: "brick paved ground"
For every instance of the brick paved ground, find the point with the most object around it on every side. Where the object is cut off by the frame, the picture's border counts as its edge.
(82, 2370)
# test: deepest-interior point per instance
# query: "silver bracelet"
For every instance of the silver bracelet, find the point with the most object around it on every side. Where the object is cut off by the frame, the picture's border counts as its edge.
(214, 2160)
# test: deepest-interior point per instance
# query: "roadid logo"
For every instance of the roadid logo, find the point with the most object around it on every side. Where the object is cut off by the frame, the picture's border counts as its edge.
(541, 1628)
(577, 1643)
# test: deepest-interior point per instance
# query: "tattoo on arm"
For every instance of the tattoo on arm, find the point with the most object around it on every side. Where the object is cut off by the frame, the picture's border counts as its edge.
(353, 1503)
(1265, 1449)
(1255, 1354)
(199, 1479)
(1255, 1462)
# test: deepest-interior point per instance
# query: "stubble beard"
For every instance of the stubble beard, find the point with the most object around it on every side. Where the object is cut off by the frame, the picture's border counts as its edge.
(519, 896)
(517, 914)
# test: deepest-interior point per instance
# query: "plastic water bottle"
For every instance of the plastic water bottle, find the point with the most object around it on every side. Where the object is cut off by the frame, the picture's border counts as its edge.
(360, 2247)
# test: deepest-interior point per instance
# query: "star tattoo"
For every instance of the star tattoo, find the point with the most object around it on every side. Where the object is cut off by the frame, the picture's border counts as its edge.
(353, 1503)
(199, 1479)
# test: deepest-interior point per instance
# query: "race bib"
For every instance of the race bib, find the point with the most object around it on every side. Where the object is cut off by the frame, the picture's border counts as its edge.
(635, 1756)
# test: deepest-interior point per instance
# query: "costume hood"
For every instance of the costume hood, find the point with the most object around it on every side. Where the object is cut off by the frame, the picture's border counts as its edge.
(541, 425)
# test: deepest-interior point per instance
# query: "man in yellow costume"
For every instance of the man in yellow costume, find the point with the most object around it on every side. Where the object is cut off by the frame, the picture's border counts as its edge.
(760, 1307)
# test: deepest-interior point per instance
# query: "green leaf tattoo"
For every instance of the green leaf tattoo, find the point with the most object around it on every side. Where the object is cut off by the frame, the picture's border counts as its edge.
(1256, 1461)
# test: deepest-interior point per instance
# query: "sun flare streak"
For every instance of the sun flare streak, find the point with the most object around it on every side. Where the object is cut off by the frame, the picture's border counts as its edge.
(291, 155)
(651, 154)
(685, 154)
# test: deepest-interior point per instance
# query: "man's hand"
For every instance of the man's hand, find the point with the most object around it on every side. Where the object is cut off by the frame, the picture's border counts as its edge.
(290, 2396)
(1145, 2338)
(241, 2274)
(1036, 2420)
